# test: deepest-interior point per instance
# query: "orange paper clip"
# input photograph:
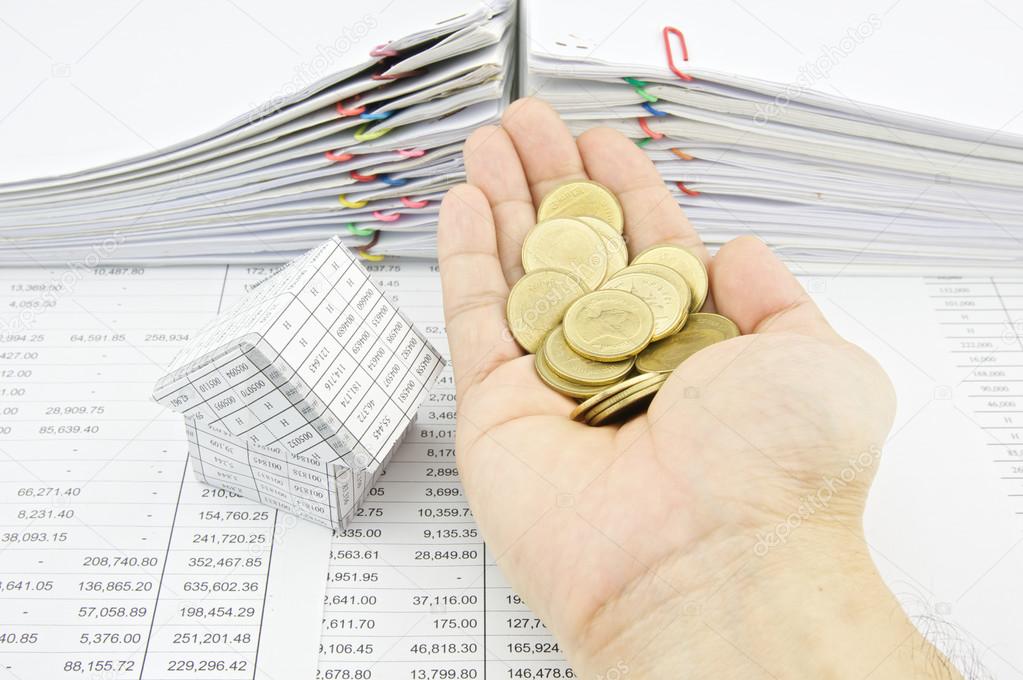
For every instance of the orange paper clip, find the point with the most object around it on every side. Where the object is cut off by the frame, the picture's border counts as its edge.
(338, 156)
(361, 178)
(343, 111)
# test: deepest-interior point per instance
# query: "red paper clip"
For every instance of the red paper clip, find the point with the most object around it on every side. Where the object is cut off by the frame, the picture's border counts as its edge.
(393, 217)
(669, 31)
(361, 178)
(382, 51)
(681, 154)
(342, 111)
(338, 156)
(686, 190)
(646, 129)
(396, 76)
(409, 203)
(410, 153)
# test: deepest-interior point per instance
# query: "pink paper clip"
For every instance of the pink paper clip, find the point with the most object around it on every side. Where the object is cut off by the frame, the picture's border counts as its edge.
(409, 203)
(382, 51)
(393, 217)
(410, 153)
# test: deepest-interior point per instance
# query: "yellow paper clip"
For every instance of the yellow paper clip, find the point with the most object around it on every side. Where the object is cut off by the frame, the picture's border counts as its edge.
(350, 204)
(362, 136)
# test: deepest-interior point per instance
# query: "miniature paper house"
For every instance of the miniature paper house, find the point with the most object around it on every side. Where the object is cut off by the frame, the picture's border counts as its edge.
(297, 395)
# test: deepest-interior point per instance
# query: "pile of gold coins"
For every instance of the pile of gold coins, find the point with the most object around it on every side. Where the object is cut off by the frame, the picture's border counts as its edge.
(606, 330)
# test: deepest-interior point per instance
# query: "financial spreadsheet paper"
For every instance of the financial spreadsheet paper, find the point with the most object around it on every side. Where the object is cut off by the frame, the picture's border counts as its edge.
(410, 590)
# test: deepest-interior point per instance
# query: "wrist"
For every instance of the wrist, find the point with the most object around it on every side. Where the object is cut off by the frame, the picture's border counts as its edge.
(812, 605)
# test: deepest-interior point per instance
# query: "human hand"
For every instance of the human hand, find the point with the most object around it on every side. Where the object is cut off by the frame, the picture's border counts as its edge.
(666, 544)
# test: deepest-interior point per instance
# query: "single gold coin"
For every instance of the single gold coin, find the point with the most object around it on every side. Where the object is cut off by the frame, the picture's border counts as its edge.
(676, 280)
(614, 244)
(596, 401)
(608, 325)
(702, 330)
(669, 308)
(559, 384)
(689, 267)
(588, 198)
(569, 245)
(626, 406)
(537, 303)
(578, 369)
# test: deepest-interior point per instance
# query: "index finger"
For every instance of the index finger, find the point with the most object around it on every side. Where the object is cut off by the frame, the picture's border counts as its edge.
(474, 287)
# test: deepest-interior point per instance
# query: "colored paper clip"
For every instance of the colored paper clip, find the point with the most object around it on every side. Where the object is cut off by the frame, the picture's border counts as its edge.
(653, 111)
(338, 156)
(343, 111)
(361, 178)
(393, 217)
(686, 190)
(397, 76)
(652, 134)
(351, 204)
(359, 231)
(409, 203)
(364, 250)
(666, 33)
(375, 116)
(393, 182)
(681, 154)
(642, 142)
(361, 135)
(382, 51)
(640, 87)
(410, 153)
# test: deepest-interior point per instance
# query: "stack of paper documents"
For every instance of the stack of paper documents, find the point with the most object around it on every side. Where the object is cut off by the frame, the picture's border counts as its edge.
(241, 132)
(851, 135)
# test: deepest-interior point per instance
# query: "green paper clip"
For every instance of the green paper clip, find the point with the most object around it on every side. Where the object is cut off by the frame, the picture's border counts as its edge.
(358, 231)
(640, 87)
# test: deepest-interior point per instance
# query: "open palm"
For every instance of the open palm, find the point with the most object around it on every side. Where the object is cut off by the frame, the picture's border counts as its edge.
(596, 526)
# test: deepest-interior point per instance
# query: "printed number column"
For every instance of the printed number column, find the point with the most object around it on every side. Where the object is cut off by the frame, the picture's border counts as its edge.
(405, 591)
(982, 321)
(211, 596)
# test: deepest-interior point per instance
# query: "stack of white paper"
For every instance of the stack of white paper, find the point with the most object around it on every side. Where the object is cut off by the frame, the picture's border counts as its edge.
(809, 124)
(364, 108)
